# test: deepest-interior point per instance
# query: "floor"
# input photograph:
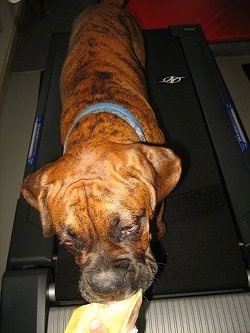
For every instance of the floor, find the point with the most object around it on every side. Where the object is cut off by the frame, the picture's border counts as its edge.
(16, 123)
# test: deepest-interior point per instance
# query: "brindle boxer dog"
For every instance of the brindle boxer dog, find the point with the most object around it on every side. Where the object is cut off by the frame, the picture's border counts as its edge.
(102, 194)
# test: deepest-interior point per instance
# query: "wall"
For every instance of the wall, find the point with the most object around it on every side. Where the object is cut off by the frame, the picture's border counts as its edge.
(9, 14)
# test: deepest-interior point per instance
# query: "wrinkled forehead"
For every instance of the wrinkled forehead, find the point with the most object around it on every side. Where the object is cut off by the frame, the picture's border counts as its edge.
(110, 191)
(89, 205)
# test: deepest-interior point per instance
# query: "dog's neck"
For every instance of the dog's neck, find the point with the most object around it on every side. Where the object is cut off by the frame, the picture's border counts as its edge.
(112, 108)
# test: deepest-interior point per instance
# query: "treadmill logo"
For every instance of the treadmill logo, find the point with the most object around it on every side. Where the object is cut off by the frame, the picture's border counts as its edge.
(172, 79)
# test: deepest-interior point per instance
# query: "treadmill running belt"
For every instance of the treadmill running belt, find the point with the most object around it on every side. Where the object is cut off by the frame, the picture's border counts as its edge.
(200, 252)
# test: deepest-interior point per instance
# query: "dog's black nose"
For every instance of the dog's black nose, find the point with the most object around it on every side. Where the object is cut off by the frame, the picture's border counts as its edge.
(111, 282)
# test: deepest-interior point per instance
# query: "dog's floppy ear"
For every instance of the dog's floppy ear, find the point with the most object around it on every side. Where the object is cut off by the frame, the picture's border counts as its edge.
(35, 192)
(167, 168)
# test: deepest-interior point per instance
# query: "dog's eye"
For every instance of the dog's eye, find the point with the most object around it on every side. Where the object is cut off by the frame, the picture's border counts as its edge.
(72, 246)
(128, 230)
(69, 244)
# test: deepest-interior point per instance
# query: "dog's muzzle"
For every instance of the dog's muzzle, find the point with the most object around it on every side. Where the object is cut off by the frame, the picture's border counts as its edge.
(105, 283)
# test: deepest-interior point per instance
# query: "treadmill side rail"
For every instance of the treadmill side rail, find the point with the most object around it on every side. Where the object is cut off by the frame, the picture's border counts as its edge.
(24, 304)
(214, 97)
(28, 247)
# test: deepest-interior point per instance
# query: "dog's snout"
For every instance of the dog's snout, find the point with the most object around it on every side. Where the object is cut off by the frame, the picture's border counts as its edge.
(108, 283)
(116, 278)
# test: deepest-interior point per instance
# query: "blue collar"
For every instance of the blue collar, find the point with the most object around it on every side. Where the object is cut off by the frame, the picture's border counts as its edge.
(115, 109)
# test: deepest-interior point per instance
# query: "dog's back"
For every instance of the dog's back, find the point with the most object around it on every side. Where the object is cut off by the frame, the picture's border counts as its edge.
(105, 64)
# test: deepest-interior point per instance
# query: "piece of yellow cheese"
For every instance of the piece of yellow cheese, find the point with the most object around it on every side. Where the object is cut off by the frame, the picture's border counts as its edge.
(117, 317)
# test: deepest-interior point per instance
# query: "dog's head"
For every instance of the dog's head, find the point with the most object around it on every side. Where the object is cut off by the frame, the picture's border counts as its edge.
(99, 202)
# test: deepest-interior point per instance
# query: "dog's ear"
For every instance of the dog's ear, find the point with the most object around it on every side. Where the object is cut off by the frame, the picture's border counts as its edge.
(34, 190)
(167, 168)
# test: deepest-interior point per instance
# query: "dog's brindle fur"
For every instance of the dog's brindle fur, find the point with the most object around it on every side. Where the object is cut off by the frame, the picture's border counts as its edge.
(102, 194)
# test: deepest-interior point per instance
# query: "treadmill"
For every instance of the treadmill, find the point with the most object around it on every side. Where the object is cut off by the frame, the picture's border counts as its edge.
(203, 279)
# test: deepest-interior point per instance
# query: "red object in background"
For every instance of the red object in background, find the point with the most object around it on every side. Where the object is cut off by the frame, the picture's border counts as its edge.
(221, 20)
